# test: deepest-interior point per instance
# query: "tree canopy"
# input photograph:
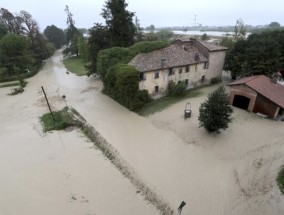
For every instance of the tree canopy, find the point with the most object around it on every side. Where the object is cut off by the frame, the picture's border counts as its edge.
(274, 25)
(98, 40)
(55, 35)
(21, 30)
(72, 35)
(14, 54)
(119, 22)
(261, 53)
(215, 112)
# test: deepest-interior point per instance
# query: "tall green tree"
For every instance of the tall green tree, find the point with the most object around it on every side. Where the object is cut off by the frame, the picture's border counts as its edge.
(215, 112)
(98, 40)
(119, 22)
(3, 31)
(72, 34)
(55, 35)
(31, 29)
(83, 49)
(14, 54)
(11, 22)
(138, 30)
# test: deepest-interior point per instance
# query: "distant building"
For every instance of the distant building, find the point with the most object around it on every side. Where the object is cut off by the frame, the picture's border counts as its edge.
(258, 94)
(193, 61)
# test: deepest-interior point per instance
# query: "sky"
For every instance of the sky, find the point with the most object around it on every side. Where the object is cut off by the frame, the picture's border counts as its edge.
(160, 13)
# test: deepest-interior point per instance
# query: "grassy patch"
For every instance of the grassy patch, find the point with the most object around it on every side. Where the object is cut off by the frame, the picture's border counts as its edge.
(280, 180)
(164, 102)
(63, 119)
(75, 65)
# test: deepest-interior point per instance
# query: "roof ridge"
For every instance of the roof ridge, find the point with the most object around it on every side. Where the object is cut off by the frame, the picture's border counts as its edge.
(254, 77)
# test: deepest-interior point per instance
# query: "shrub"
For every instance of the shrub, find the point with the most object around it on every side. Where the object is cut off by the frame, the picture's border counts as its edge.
(144, 96)
(215, 80)
(176, 89)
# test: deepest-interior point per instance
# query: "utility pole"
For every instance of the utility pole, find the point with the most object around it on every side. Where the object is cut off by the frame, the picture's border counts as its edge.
(48, 104)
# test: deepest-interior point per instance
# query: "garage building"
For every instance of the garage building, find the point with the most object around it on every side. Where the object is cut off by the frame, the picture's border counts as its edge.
(258, 94)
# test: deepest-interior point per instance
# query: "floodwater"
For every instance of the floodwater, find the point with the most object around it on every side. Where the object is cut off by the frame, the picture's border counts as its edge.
(59, 173)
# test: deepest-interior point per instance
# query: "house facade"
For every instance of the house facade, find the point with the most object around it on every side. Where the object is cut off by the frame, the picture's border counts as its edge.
(195, 62)
(258, 94)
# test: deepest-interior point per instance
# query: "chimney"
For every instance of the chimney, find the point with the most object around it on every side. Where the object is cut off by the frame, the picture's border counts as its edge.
(163, 62)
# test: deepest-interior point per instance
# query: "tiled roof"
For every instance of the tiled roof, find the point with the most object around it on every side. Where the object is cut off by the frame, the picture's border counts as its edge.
(207, 45)
(263, 85)
(211, 46)
(173, 55)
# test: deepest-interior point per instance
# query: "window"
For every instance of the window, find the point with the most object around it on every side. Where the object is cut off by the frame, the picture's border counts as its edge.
(206, 65)
(156, 74)
(203, 78)
(187, 68)
(180, 70)
(171, 72)
(186, 82)
(142, 76)
(156, 89)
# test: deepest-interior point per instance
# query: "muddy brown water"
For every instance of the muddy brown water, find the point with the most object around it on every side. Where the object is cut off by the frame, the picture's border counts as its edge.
(60, 173)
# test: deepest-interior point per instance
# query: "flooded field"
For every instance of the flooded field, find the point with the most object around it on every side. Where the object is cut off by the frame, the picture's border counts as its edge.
(61, 173)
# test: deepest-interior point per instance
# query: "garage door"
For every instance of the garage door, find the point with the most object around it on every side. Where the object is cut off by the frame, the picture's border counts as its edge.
(241, 102)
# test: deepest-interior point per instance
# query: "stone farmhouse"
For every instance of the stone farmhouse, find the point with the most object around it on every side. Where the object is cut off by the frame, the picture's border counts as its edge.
(193, 61)
(258, 94)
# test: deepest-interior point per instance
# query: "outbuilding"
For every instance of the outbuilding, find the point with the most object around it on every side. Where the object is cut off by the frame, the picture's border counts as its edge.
(258, 94)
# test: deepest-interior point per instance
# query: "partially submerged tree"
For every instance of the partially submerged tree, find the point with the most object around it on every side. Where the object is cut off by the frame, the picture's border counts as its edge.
(215, 112)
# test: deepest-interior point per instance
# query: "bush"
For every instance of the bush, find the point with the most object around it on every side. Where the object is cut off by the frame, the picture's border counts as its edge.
(122, 84)
(215, 80)
(215, 112)
(144, 96)
(176, 89)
